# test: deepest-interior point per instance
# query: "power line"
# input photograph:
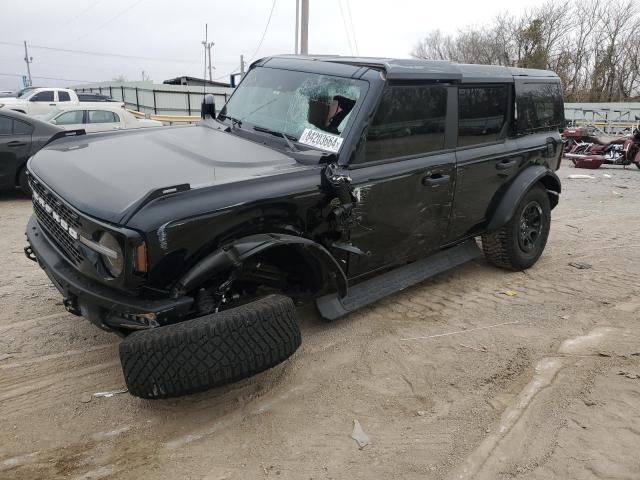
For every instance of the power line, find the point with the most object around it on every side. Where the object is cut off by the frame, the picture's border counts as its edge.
(94, 4)
(100, 54)
(115, 17)
(273, 5)
(47, 78)
(353, 30)
(346, 30)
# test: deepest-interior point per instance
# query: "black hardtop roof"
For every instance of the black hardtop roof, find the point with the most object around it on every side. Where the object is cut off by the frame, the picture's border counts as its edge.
(417, 69)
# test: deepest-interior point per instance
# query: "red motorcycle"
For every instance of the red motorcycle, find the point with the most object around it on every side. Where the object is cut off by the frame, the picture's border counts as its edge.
(588, 147)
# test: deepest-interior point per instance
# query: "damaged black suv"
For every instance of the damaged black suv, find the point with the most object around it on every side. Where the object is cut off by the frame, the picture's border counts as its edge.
(332, 179)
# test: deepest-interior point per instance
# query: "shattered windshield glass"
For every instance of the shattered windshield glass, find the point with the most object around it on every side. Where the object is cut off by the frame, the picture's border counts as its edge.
(289, 102)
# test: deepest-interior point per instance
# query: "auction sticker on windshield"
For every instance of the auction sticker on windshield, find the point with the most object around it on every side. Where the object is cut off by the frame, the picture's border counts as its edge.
(324, 141)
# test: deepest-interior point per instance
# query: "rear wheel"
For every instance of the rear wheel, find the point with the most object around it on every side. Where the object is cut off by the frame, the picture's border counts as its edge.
(211, 350)
(23, 183)
(519, 243)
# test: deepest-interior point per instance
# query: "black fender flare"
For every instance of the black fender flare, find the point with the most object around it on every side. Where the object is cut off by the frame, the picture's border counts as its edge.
(517, 190)
(234, 254)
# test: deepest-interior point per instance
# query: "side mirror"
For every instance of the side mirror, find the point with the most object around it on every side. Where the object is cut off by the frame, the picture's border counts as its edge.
(53, 122)
(208, 106)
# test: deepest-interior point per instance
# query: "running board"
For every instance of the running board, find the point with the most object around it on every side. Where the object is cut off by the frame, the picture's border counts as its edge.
(369, 291)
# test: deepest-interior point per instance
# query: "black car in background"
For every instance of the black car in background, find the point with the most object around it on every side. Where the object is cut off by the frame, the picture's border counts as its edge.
(21, 137)
(93, 97)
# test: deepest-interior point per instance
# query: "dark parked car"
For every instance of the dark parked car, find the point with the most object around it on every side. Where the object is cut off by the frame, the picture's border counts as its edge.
(332, 179)
(20, 137)
(93, 97)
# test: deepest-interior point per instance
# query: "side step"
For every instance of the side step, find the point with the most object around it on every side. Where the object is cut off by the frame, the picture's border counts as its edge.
(369, 291)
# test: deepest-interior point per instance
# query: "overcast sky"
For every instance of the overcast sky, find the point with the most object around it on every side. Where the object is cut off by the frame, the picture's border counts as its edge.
(171, 31)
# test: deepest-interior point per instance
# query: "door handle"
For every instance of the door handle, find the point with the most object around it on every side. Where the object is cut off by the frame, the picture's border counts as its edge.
(16, 143)
(435, 180)
(506, 164)
(52, 104)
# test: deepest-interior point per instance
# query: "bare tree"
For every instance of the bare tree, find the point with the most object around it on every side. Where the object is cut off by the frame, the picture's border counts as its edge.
(589, 44)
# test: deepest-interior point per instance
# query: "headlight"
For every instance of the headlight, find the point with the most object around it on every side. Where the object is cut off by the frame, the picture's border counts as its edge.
(111, 254)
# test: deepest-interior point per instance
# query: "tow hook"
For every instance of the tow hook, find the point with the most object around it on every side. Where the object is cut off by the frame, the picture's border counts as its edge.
(29, 253)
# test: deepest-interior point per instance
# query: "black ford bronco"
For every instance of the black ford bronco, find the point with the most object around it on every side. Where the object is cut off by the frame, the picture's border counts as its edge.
(333, 179)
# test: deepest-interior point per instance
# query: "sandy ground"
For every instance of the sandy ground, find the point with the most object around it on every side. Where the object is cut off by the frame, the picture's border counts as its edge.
(541, 385)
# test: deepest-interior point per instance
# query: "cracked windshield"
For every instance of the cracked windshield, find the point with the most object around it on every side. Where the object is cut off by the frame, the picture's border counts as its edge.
(289, 102)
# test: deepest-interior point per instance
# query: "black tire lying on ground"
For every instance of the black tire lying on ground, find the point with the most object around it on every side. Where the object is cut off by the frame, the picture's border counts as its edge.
(209, 351)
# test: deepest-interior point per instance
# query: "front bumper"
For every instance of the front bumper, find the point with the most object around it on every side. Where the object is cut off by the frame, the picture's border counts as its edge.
(107, 308)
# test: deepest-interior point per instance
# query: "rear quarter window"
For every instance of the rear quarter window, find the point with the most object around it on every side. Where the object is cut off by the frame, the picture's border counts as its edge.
(6, 125)
(539, 107)
(21, 128)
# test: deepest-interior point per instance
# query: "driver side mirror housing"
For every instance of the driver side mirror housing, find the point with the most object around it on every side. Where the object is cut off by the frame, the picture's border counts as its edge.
(208, 106)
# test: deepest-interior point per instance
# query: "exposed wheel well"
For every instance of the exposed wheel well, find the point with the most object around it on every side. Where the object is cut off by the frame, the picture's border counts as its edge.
(286, 268)
(552, 185)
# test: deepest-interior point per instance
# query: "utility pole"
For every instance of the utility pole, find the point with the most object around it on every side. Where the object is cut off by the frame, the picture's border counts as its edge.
(207, 52)
(296, 49)
(29, 61)
(304, 28)
(241, 66)
(209, 45)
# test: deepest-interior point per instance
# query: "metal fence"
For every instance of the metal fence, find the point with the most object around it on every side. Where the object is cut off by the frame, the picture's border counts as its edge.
(160, 99)
(611, 117)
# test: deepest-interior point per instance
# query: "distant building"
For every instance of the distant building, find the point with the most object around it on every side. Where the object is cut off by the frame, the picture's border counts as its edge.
(193, 81)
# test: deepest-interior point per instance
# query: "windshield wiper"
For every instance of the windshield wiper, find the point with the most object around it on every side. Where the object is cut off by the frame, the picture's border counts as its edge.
(234, 121)
(286, 137)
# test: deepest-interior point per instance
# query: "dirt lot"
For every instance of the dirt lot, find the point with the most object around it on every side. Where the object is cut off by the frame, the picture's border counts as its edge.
(542, 384)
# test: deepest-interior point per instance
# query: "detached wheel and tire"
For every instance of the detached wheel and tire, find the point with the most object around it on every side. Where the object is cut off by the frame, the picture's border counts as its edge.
(519, 243)
(210, 351)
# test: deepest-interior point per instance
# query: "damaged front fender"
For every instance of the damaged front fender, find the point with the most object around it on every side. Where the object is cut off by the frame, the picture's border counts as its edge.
(233, 256)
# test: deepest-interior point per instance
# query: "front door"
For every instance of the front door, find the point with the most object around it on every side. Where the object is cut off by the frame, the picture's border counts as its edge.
(42, 103)
(403, 180)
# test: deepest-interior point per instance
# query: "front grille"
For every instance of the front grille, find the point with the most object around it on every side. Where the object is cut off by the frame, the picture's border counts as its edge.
(61, 209)
(60, 236)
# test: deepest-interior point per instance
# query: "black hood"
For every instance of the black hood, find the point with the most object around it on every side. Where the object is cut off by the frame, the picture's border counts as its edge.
(104, 175)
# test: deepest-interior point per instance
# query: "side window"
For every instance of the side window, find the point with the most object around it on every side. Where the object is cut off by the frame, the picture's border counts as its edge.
(102, 116)
(6, 125)
(63, 96)
(410, 120)
(21, 128)
(69, 118)
(539, 106)
(44, 96)
(482, 114)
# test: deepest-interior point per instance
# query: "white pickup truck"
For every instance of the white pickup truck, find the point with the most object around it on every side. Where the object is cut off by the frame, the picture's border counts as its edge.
(41, 102)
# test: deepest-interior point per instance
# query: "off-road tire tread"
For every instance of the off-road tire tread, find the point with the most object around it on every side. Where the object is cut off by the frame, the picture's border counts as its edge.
(210, 351)
(500, 247)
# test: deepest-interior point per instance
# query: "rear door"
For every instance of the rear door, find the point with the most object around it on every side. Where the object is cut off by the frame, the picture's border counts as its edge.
(15, 145)
(487, 159)
(403, 179)
(102, 121)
